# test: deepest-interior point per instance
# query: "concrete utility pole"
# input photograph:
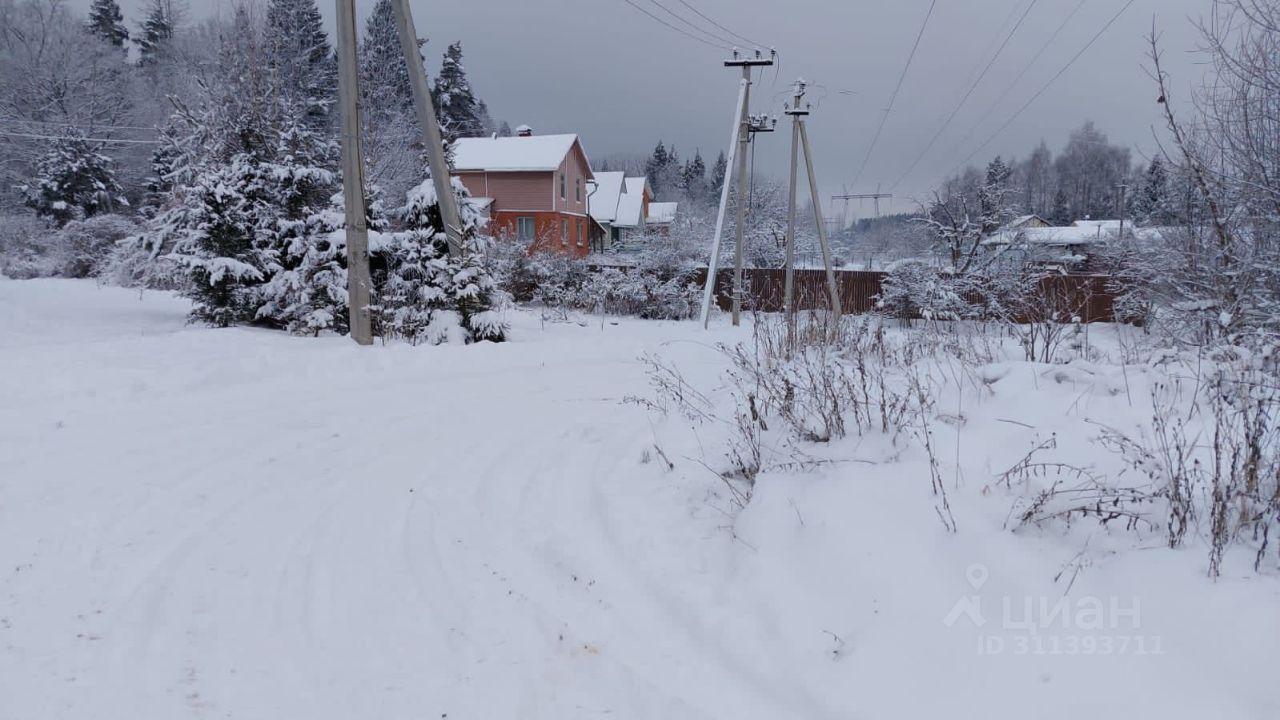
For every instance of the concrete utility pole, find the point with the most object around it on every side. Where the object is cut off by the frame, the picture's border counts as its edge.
(798, 133)
(788, 296)
(744, 139)
(832, 287)
(358, 281)
(430, 127)
(713, 262)
(1123, 191)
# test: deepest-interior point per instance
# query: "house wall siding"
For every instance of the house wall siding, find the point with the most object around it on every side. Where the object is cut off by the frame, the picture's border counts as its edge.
(512, 190)
(576, 172)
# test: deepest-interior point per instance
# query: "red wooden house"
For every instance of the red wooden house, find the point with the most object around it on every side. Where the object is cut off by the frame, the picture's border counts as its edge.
(534, 185)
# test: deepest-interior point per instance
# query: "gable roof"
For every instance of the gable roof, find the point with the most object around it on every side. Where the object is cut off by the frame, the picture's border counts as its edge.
(604, 201)
(631, 203)
(539, 153)
(661, 213)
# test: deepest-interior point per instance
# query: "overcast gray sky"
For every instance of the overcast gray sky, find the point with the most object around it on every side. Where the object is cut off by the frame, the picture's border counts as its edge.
(622, 80)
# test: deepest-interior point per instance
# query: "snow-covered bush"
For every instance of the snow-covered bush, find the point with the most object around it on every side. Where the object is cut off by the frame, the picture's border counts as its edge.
(793, 389)
(913, 288)
(81, 248)
(27, 249)
(660, 286)
(641, 292)
(87, 245)
(1209, 466)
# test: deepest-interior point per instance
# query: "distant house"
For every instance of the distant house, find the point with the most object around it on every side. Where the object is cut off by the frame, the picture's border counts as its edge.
(1062, 248)
(535, 187)
(660, 216)
(620, 206)
(1026, 221)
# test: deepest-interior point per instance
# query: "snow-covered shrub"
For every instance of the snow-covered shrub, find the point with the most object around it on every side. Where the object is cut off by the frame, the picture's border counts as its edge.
(81, 248)
(642, 293)
(913, 288)
(660, 286)
(793, 389)
(1210, 465)
(87, 245)
(27, 249)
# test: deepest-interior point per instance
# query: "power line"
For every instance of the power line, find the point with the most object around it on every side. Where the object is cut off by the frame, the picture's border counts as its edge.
(894, 97)
(1047, 85)
(85, 139)
(991, 107)
(680, 30)
(956, 110)
(691, 24)
(699, 13)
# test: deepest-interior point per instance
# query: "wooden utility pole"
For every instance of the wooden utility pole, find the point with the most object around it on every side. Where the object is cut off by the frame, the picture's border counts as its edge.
(798, 131)
(744, 139)
(430, 127)
(357, 229)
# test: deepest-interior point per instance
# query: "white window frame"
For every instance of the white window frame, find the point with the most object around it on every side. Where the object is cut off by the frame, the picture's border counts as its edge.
(526, 221)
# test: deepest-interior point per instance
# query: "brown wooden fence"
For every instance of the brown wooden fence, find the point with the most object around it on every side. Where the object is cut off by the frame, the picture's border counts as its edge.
(1086, 296)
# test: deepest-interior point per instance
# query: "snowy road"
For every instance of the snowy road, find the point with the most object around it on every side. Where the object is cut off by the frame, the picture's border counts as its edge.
(241, 524)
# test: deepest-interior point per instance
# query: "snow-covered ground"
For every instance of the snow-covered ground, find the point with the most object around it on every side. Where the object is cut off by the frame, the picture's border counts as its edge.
(243, 524)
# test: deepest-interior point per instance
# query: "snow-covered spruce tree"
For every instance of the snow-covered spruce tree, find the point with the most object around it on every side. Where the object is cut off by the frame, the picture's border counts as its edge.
(214, 235)
(717, 175)
(663, 171)
(248, 177)
(73, 181)
(389, 125)
(154, 39)
(107, 22)
(1150, 204)
(693, 179)
(384, 77)
(423, 294)
(298, 52)
(461, 113)
(307, 294)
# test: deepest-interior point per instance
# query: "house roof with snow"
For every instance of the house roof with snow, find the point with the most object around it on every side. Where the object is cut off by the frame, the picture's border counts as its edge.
(604, 201)
(1054, 236)
(662, 213)
(631, 203)
(537, 153)
(1025, 221)
(1098, 227)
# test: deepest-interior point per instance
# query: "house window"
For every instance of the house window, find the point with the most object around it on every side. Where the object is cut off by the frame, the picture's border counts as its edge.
(562, 185)
(564, 232)
(524, 228)
(582, 234)
(577, 188)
